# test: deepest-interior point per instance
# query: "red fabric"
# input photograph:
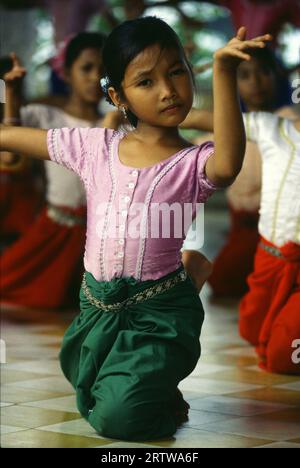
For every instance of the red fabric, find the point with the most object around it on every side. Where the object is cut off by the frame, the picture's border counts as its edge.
(235, 261)
(270, 312)
(261, 17)
(44, 268)
(19, 202)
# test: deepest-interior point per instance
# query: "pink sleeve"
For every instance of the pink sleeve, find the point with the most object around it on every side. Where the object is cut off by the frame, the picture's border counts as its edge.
(75, 148)
(206, 187)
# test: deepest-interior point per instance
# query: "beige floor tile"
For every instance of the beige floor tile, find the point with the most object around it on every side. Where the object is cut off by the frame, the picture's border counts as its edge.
(5, 403)
(211, 386)
(195, 438)
(51, 384)
(264, 426)
(242, 351)
(295, 441)
(66, 403)
(245, 375)
(235, 406)
(280, 445)
(42, 439)
(288, 415)
(9, 429)
(198, 418)
(204, 369)
(42, 366)
(291, 386)
(10, 376)
(229, 360)
(33, 352)
(20, 340)
(271, 394)
(15, 394)
(28, 417)
(75, 427)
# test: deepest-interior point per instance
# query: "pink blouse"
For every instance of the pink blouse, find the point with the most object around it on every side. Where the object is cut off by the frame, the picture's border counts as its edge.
(129, 208)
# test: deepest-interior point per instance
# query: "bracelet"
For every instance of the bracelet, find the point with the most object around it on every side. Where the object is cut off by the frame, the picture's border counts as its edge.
(11, 120)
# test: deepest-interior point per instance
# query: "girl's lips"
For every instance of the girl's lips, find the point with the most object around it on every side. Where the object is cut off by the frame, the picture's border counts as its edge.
(172, 109)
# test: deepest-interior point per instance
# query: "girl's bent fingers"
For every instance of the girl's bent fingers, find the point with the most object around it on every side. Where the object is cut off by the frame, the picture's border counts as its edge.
(250, 45)
(241, 34)
(265, 37)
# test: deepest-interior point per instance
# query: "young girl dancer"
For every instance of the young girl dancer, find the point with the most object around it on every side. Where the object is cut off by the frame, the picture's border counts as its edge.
(259, 85)
(137, 335)
(44, 268)
(269, 313)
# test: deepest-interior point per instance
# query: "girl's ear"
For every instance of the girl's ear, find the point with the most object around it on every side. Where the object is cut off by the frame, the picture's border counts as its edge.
(114, 96)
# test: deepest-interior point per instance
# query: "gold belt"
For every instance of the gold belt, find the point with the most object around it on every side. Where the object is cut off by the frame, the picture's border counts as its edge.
(137, 298)
(271, 250)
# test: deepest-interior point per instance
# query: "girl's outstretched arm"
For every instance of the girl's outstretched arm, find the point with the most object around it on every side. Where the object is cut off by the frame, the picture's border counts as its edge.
(19, 140)
(31, 142)
(229, 133)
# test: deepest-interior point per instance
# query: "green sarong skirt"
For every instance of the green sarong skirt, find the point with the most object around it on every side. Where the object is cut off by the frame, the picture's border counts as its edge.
(125, 365)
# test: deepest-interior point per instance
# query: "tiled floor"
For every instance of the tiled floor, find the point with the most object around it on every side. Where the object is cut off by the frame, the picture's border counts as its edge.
(233, 403)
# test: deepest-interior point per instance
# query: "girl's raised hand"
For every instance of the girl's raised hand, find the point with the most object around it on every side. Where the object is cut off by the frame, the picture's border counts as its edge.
(239, 49)
(15, 76)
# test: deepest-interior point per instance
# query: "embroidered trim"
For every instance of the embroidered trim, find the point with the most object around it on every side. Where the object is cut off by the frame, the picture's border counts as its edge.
(108, 208)
(291, 160)
(56, 146)
(140, 259)
(137, 298)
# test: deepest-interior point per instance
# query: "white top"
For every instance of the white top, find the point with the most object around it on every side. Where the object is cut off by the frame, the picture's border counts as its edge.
(279, 145)
(64, 188)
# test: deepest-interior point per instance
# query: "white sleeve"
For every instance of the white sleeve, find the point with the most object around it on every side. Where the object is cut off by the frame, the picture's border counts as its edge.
(32, 115)
(259, 124)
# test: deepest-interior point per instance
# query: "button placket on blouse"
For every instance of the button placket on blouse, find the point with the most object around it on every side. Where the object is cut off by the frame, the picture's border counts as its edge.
(126, 197)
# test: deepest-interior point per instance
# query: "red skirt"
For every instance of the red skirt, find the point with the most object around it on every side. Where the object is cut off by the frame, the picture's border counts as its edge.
(44, 268)
(270, 312)
(20, 202)
(236, 259)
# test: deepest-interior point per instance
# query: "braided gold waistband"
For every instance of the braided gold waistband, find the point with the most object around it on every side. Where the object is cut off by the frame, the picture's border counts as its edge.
(64, 218)
(271, 250)
(139, 297)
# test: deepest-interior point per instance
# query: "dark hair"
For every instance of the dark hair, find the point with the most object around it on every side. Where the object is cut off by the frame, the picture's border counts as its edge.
(128, 40)
(267, 57)
(82, 41)
(6, 64)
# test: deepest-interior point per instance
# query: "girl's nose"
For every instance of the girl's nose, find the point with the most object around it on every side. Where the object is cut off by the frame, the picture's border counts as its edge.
(168, 90)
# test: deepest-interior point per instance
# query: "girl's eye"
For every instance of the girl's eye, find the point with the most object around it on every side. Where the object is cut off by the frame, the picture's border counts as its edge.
(87, 68)
(178, 71)
(144, 83)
